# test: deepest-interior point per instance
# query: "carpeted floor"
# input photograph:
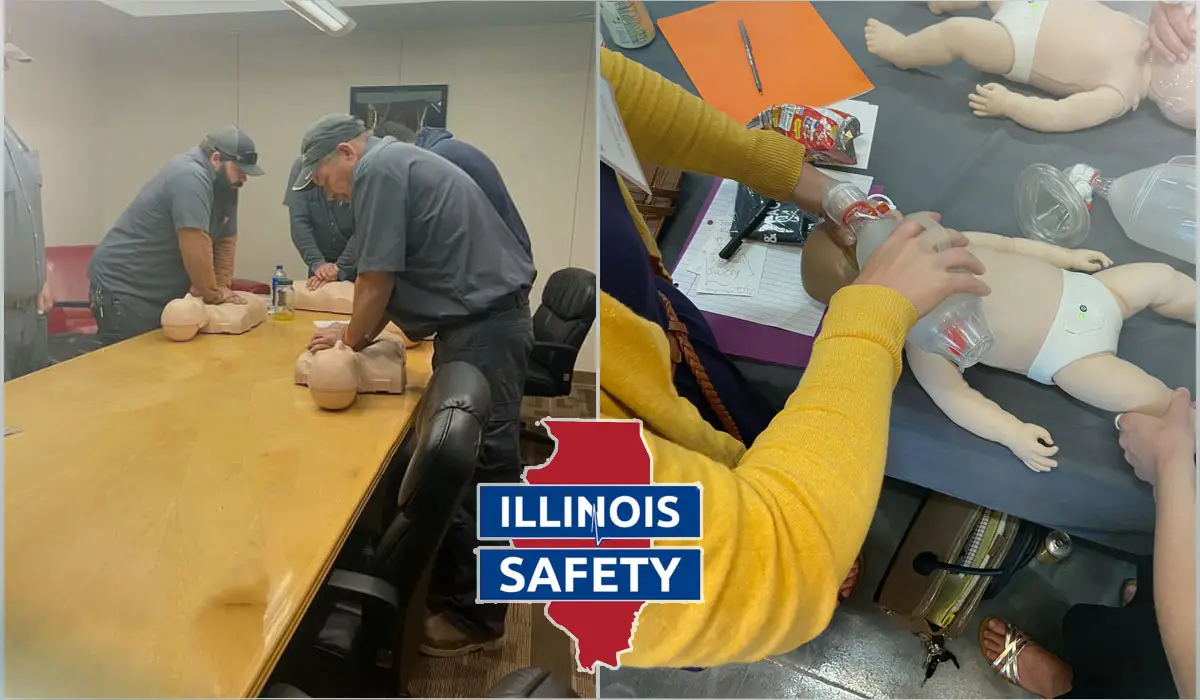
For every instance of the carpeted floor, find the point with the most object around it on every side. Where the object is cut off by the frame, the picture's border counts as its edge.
(472, 676)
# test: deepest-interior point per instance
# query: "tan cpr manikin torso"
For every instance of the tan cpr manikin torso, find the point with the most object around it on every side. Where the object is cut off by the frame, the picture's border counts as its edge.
(336, 376)
(1040, 331)
(1069, 48)
(330, 298)
(183, 318)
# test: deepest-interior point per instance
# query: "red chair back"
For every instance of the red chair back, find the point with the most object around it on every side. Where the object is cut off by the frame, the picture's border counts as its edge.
(67, 274)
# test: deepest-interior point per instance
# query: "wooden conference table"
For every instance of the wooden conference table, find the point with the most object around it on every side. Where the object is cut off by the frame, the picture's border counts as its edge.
(171, 509)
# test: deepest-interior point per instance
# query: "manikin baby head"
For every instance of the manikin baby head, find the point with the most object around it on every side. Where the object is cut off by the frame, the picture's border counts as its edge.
(1173, 89)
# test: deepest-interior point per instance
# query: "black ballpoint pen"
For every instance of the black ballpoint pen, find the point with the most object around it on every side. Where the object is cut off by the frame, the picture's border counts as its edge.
(750, 56)
(736, 242)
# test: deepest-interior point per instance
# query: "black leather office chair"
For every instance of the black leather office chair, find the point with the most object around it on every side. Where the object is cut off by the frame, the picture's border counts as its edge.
(361, 634)
(522, 683)
(560, 325)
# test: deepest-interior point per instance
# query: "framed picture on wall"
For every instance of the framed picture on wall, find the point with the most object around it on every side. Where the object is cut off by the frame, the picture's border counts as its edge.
(381, 107)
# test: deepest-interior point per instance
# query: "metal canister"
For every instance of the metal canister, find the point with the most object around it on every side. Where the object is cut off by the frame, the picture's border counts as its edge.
(628, 22)
(1056, 548)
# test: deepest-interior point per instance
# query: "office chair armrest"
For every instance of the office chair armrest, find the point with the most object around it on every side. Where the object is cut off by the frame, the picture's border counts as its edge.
(72, 305)
(373, 592)
(556, 357)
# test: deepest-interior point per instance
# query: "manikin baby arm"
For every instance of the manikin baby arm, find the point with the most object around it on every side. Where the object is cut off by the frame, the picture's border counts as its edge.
(1062, 258)
(978, 414)
(1079, 111)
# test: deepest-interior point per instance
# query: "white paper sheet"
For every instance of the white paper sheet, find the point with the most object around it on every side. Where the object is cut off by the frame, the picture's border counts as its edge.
(781, 301)
(741, 275)
(867, 114)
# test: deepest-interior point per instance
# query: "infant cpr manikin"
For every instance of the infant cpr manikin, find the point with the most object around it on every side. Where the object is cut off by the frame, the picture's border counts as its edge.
(336, 376)
(1079, 50)
(329, 298)
(183, 318)
(1052, 323)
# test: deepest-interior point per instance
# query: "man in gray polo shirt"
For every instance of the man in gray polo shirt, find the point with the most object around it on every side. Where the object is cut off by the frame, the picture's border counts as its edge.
(26, 294)
(434, 256)
(178, 235)
(322, 229)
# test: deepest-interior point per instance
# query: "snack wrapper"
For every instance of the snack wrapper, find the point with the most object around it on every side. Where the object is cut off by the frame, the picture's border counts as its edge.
(786, 223)
(827, 134)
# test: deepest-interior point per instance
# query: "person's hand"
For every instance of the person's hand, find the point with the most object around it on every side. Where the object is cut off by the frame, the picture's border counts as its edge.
(45, 301)
(1089, 260)
(327, 272)
(909, 263)
(1151, 442)
(1032, 445)
(326, 337)
(989, 100)
(1172, 35)
(225, 295)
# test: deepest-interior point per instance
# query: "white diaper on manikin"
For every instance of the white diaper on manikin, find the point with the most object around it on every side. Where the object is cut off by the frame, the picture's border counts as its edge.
(1088, 322)
(1023, 20)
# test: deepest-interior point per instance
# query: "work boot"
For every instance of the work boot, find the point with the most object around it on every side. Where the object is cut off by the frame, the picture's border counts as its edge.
(442, 639)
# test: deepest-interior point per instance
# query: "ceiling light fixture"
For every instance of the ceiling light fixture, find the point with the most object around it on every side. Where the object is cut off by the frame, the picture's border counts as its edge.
(323, 15)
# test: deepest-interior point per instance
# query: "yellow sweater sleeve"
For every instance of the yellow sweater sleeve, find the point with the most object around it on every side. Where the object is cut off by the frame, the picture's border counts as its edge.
(782, 529)
(671, 127)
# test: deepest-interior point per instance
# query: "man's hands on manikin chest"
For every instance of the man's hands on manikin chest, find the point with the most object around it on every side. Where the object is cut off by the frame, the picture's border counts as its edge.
(225, 295)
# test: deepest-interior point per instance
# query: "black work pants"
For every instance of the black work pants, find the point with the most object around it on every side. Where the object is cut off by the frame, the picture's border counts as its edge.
(1118, 652)
(121, 317)
(499, 345)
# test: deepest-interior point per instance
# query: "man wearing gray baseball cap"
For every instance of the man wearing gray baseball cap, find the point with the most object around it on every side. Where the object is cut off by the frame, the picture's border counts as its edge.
(26, 292)
(435, 257)
(178, 235)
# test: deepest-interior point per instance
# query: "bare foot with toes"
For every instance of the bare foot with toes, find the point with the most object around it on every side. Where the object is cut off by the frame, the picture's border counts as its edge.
(886, 43)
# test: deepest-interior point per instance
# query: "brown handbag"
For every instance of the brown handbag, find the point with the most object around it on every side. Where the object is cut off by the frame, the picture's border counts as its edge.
(943, 528)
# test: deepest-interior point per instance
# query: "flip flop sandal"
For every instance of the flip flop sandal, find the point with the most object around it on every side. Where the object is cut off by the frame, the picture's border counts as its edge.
(1014, 642)
(860, 568)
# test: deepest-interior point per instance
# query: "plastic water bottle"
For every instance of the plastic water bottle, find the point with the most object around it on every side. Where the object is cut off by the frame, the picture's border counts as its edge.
(956, 329)
(282, 295)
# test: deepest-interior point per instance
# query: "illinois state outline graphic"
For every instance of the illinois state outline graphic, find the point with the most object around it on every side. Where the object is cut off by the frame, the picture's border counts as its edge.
(600, 452)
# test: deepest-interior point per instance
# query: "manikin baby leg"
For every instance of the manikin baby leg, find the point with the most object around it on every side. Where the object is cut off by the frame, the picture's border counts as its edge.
(1162, 288)
(983, 44)
(1105, 380)
(939, 7)
(1112, 384)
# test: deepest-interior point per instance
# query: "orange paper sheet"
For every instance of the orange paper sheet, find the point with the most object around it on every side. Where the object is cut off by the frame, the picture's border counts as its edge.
(799, 59)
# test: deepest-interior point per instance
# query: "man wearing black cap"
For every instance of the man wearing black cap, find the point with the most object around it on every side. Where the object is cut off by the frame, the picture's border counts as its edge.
(178, 235)
(26, 293)
(434, 256)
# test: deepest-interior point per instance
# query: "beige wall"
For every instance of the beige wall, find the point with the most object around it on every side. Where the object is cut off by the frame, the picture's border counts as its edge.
(105, 114)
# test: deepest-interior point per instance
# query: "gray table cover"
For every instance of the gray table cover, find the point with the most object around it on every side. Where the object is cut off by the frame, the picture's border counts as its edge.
(930, 153)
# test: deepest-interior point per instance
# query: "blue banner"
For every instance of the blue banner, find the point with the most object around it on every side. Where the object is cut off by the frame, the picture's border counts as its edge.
(649, 512)
(653, 574)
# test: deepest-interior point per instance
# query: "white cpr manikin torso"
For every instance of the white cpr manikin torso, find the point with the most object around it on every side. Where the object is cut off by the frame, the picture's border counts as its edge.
(1083, 45)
